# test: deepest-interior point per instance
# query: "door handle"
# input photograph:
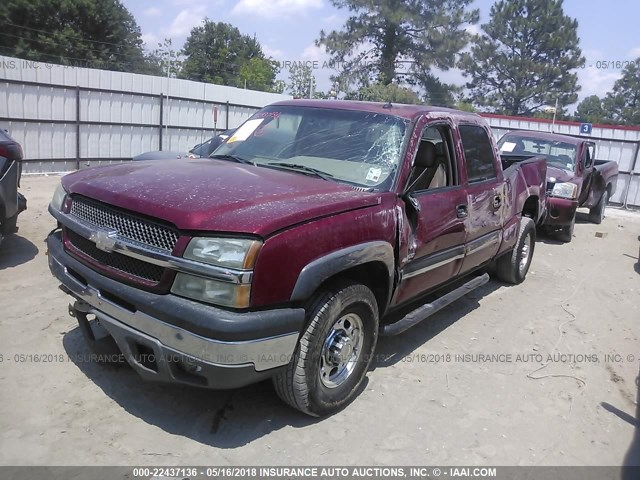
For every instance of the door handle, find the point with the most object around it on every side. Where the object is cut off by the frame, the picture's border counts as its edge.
(497, 201)
(462, 211)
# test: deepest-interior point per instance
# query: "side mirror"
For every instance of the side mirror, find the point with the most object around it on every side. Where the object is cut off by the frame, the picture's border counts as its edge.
(411, 200)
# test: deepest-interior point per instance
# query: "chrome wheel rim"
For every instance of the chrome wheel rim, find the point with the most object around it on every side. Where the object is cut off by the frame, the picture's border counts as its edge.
(341, 350)
(525, 251)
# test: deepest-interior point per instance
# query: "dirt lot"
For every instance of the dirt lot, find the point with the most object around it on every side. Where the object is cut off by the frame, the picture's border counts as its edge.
(424, 402)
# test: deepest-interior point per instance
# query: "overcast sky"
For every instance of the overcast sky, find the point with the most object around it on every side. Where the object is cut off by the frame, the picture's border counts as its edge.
(287, 29)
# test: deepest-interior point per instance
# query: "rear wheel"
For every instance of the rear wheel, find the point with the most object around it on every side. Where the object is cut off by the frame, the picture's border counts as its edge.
(513, 267)
(10, 225)
(596, 214)
(334, 352)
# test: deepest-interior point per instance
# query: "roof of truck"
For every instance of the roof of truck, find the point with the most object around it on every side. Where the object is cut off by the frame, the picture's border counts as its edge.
(547, 136)
(402, 110)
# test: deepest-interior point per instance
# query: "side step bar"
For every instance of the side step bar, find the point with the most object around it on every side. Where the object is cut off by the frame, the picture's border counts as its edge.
(425, 311)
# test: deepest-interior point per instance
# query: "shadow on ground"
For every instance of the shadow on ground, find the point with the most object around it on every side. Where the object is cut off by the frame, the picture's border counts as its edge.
(582, 218)
(552, 239)
(548, 238)
(16, 250)
(392, 350)
(224, 419)
(229, 419)
(632, 457)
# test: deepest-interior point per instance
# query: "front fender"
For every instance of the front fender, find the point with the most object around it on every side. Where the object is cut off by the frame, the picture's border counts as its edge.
(319, 270)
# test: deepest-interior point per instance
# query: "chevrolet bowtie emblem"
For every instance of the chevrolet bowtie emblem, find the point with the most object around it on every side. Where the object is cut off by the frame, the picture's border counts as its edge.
(105, 239)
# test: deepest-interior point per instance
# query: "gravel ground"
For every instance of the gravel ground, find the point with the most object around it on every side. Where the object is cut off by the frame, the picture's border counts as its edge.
(434, 396)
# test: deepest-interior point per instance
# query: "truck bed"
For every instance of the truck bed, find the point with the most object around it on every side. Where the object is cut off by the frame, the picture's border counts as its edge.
(525, 176)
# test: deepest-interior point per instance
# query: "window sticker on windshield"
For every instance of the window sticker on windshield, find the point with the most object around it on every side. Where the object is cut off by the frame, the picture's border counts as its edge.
(273, 115)
(374, 174)
(245, 130)
(508, 147)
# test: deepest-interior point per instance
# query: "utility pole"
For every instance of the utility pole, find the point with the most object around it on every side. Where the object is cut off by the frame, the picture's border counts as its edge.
(166, 128)
(553, 122)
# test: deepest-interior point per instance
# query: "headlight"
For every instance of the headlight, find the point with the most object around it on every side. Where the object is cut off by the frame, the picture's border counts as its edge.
(212, 291)
(58, 197)
(565, 190)
(238, 253)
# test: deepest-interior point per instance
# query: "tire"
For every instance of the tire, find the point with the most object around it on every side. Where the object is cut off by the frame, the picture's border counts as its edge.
(329, 365)
(10, 225)
(596, 214)
(513, 266)
(566, 234)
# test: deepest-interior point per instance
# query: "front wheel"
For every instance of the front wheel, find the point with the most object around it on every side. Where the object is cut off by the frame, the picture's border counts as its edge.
(566, 234)
(596, 214)
(334, 352)
(513, 267)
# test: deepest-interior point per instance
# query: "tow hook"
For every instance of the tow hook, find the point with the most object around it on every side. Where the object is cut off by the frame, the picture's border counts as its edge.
(79, 306)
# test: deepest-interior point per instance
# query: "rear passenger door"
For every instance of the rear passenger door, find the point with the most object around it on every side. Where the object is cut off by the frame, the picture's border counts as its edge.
(485, 195)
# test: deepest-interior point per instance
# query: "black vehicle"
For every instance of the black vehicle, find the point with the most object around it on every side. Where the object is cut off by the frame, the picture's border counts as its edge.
(12, 203)
(203, 149)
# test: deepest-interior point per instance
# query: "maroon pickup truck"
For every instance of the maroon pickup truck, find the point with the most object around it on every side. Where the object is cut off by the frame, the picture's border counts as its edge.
(282, 255)
(575, 178)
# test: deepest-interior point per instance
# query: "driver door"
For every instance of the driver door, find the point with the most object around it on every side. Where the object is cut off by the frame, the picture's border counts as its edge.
(434, 217)
(587, 166)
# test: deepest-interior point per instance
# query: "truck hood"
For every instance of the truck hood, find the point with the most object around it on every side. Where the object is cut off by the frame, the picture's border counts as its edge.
(217, 195)
(559, 174)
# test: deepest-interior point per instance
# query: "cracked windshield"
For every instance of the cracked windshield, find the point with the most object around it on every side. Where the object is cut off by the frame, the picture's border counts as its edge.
(354, 147)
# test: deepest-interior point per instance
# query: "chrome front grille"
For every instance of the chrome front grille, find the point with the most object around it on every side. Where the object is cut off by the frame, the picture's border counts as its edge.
(121, 263)
(128, 226)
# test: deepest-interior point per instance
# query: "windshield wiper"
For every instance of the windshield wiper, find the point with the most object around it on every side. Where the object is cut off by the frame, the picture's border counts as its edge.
(303, 169)
(233, 158)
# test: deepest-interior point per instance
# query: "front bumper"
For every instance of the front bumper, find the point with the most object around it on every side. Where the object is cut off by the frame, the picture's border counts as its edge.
(189, 342)
(12, 202)
(560, 211)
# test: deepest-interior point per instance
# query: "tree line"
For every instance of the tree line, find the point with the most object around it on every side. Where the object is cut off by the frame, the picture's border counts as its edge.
(524, 58)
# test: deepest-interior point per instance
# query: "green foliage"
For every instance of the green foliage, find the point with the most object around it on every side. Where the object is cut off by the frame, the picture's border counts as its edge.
(439, 94)
(524, 58)
(302, 82)
(380, 92)
(279, 86)
(622, 104)
(98, 34)
(397, 41)
(464, 106)
(219, 53)
(258, 74)
(166, 60)
(590, 110)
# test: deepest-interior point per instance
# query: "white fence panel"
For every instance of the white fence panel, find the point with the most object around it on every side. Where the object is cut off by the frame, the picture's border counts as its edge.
(67, 117)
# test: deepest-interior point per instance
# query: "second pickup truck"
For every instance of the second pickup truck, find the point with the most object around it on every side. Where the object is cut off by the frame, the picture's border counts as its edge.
(284, 254)
(575, 178)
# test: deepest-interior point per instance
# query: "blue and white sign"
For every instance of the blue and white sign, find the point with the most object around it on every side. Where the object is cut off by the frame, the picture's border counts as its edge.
(585, 128)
